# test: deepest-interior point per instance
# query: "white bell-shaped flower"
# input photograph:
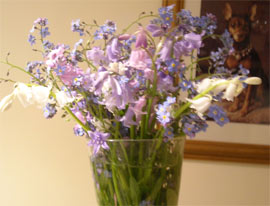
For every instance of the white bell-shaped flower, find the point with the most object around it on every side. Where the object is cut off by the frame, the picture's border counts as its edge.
(63, 98)
(6, 102)
(201, 105)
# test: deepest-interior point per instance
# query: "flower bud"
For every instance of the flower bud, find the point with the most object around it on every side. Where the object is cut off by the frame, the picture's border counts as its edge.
(253, 80)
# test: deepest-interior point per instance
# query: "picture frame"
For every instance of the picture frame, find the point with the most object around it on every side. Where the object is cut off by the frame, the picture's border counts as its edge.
(248, 143)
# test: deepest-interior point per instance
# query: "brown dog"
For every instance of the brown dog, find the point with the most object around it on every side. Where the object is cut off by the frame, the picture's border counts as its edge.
(239, 27)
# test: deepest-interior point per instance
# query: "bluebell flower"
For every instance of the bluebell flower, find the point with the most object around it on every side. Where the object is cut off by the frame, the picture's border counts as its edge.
(98, 140)
(31, 39)
(44, 32)
(49, 111)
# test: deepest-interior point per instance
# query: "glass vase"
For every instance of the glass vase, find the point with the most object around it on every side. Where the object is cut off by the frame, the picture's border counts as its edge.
(136, 172)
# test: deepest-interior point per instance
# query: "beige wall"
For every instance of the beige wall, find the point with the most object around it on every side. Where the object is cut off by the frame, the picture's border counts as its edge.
(43, 164)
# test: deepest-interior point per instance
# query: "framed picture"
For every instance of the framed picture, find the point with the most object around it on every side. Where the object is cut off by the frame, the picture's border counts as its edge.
(242, 140)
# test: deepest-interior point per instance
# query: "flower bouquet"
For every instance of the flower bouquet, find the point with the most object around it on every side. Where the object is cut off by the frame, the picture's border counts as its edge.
(135, 97)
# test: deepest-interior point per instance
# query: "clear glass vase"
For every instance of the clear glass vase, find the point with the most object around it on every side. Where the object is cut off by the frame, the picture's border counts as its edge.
(139, 172)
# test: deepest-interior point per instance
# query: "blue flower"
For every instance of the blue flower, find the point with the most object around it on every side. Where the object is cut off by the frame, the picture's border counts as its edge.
(78, 81)
(49, 111)
(77, 27)
(164, 118)
(162, 108)
(31, 39)
(170, 100)
(48, 45)
(78, 130)
(223, 119)
(218, 114)
(189, 129)
(243, 70)
(44, 32)
(185, 85)
(193, 124)
(169, 132)
(60, 70)
(172, 65)
(166, 13)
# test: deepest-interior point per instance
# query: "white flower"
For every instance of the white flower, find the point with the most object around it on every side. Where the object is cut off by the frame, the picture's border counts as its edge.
(118, 68)
(41, 95)
(201, 105)
(207, 83)
(230, 92)
(63, 98)
(24, 94)
(203, 85)
(6, 102)
(221, 85)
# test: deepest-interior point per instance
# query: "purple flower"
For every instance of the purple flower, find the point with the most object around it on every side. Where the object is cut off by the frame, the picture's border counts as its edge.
(165, 83)
(139, 59)
(114, 50)
(190, 42)
(134, 110)
(165, 53)
(98, 140)
(141, 40)
(155, 30)
(96, 55)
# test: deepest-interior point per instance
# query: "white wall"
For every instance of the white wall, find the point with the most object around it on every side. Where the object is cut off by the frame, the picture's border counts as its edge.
(43, 164)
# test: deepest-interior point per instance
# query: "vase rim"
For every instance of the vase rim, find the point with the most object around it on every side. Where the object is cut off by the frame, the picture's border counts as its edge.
(145, 140)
